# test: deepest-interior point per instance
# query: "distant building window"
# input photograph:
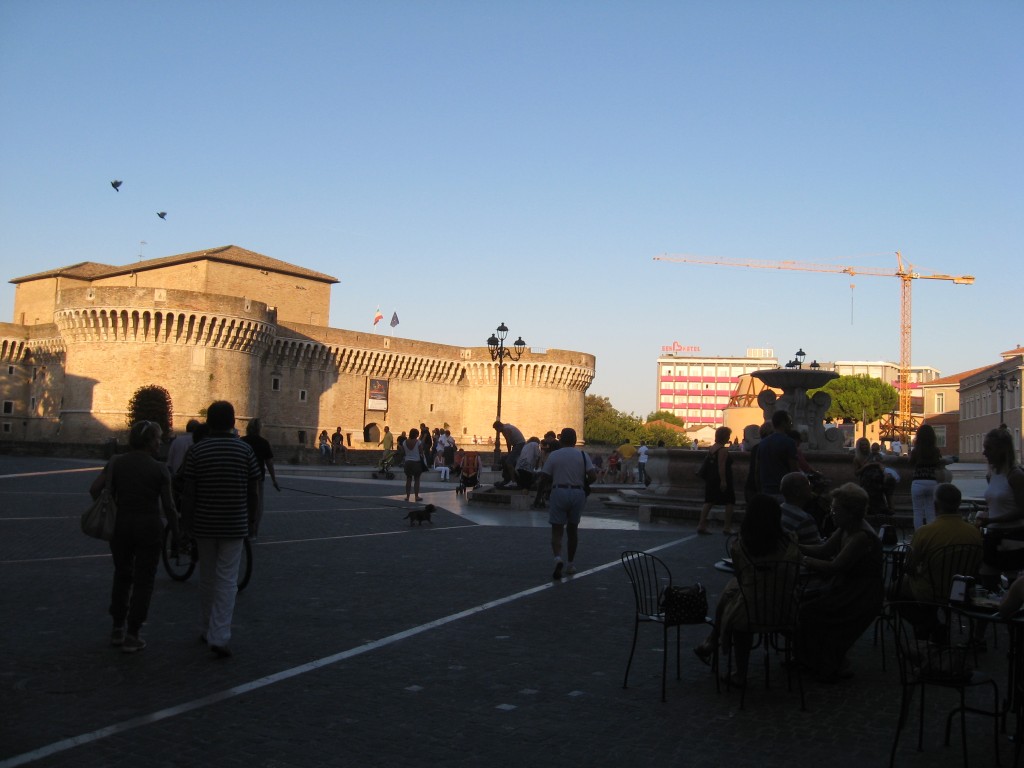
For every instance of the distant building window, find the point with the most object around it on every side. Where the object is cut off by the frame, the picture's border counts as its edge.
(302, 395)
(940, 402)
(32, 404)
(302, 437)
(8, 407)
(940, 435)
(10, 370)
(275, 384)
(7, 426)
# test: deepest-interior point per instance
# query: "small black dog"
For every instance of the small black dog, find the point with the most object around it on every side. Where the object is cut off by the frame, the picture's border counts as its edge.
(419, 515)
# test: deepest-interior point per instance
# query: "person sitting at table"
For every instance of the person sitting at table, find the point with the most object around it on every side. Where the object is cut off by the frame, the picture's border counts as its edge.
(835, 614)
(1013, 600)
(1004, 520)
(761, 539)
(796, 490)
(948, 529)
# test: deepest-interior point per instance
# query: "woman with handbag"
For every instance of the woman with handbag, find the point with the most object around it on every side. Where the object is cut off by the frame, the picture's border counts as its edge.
(719, 487)
(140, 485)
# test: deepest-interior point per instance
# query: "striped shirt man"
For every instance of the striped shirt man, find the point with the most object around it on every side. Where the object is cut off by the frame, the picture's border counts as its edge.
(221, 467)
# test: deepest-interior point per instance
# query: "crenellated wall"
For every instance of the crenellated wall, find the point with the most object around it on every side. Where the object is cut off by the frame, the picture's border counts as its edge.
(106, 341)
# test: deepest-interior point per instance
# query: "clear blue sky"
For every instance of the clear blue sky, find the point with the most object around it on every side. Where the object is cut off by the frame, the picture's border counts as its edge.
(468, 163)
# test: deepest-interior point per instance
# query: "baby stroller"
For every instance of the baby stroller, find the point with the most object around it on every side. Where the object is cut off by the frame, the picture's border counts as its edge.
(469, 473)
(384, 466)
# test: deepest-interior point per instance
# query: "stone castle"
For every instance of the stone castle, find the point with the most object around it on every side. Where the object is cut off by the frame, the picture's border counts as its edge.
(228, 323)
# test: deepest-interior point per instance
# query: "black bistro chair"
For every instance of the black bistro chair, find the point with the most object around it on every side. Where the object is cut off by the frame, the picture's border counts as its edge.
(650, 577)
(924, 663)
(772, 603)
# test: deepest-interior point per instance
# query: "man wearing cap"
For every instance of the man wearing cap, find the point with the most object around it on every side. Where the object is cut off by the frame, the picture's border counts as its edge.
(567, 468)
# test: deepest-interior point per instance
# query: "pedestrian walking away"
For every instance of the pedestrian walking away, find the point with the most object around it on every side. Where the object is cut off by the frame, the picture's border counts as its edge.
(140, 485)
(567, 469)
(221, 479)
(265, 459)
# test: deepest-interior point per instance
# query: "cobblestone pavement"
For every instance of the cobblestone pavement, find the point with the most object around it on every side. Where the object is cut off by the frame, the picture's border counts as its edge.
(362, 641)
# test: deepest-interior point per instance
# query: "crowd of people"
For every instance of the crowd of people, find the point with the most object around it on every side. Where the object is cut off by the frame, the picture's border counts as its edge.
(840, 552)
(212, 486)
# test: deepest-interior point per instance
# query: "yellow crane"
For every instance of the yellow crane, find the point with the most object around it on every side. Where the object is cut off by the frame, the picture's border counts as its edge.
(905, 272)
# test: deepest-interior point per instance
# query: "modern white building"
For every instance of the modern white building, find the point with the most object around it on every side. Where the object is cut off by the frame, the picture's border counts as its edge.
(697, 388)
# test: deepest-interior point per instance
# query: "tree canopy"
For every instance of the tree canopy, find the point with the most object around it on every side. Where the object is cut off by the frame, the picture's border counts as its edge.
(603, 424)
(860, 398)
(151, 403)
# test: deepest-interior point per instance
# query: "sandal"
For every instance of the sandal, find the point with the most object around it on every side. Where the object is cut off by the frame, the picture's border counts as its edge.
(705, 653)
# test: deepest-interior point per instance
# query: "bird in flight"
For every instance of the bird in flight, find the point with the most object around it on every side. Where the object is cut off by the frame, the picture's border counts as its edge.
(115, 184)
(162, 215)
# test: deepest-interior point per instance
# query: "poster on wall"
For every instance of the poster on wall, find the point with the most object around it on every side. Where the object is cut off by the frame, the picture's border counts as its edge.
(378, 396)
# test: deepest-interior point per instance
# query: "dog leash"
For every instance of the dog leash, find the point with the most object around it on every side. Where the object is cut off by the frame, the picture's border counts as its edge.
(383, 502)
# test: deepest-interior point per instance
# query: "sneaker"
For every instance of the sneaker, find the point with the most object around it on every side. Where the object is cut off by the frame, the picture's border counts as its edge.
(221, 651)
(558, 570)
(117, 635)
(570, 569)
(132, 643)
(703, 531)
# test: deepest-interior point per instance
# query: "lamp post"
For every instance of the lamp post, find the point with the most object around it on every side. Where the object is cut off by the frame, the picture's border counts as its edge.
(1001, 383)
(798, 360)
(499, 353)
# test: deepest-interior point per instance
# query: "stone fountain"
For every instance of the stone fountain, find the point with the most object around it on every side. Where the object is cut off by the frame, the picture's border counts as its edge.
(807, 413)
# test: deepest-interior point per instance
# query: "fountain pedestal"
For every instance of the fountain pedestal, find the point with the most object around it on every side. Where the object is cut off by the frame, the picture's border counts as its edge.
(807, 413)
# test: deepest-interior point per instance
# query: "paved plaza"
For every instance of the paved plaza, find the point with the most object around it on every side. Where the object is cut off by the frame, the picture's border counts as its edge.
(362, 641)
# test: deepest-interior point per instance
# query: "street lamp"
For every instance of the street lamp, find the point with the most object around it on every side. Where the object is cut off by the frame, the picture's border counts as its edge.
(1001, 383)
(499, 353)
(815, 365)
(800, 355)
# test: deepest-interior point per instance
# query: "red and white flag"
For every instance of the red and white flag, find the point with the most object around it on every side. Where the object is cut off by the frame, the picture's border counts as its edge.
(378, 316)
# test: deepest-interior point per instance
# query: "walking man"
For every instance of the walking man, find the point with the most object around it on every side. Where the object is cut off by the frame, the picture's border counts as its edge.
(222, 476)
(567, 468)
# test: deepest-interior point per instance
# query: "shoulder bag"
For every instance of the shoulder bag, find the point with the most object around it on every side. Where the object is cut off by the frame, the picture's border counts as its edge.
(707, 467)
(99, 519)
(684, 605)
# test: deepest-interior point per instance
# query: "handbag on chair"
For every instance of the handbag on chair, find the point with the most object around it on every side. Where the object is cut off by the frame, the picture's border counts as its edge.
(684, 605)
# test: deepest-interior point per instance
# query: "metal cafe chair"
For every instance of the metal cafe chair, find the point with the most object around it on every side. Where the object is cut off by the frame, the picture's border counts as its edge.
(924, 663)
(772, 602)
(893, 567)
(649, 577)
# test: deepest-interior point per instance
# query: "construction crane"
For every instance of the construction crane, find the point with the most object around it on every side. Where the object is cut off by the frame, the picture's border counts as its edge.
(905, 272)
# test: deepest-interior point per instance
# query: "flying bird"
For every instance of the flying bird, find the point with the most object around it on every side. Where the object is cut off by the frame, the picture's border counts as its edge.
(162, 215)
(115, 184)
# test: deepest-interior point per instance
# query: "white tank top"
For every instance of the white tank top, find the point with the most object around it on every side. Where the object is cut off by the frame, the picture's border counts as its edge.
(999, 497)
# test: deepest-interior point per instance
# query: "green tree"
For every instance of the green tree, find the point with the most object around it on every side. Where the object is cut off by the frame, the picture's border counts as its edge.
(860, 398)
(603, 424)
(151, 403)
(658, 431)
(666, 416)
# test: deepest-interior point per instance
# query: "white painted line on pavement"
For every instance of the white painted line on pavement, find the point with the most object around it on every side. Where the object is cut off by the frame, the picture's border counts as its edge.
(50, 472)
(163, 714)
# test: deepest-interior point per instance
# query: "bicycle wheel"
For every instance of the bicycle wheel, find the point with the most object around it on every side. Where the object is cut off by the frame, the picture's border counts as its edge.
(179, 555)
(245, 565)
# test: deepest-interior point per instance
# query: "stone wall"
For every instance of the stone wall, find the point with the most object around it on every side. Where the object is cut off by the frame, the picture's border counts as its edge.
(74, 378)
